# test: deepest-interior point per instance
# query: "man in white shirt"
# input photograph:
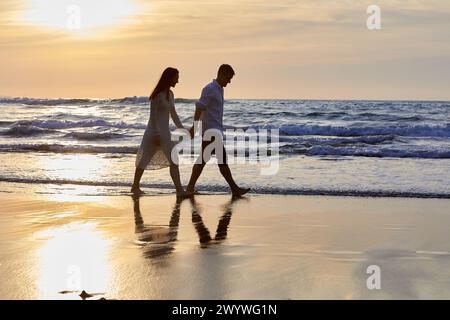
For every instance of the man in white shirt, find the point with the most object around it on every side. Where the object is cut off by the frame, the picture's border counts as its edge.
(210, 109)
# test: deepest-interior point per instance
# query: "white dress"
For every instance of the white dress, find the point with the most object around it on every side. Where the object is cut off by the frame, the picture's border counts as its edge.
(151, 155)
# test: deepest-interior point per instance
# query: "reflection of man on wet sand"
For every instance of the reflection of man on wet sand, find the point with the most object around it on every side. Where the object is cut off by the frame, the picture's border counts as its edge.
(222, 228)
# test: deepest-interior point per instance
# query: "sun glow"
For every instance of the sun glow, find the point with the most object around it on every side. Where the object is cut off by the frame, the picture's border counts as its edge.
(79, 16)
(73, 258)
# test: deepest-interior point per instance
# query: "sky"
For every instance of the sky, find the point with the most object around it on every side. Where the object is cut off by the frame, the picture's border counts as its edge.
(283, 49)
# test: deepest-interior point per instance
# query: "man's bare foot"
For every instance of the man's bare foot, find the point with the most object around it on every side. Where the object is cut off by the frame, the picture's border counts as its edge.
(136, 191)
(240, 192)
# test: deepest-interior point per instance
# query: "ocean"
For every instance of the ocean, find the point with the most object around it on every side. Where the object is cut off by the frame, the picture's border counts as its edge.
(348, 148)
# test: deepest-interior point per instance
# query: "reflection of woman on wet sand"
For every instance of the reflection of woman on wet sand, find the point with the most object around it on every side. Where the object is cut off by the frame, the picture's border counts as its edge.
(157, 240)
(222, 228)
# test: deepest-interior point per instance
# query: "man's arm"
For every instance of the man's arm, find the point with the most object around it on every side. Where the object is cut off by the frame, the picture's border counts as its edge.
(197, 115)
(200, 106)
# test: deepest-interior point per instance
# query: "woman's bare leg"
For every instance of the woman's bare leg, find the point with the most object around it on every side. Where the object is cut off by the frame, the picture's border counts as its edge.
(175, 174)
(137, 180)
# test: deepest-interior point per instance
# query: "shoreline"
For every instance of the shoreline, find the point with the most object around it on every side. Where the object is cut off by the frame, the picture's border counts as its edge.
(119, 189)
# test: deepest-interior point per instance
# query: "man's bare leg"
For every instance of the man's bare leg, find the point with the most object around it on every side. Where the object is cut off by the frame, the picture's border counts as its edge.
(235, 189)
(175, 174)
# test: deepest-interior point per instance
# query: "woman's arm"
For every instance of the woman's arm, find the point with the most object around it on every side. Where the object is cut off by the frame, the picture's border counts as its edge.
(175, 118)
(173, 112)
(154, 106)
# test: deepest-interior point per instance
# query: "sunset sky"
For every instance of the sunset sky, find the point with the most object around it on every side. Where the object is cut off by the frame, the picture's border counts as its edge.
(306, 49)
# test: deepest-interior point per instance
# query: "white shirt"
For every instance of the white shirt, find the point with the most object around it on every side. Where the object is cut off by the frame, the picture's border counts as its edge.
(211, 102)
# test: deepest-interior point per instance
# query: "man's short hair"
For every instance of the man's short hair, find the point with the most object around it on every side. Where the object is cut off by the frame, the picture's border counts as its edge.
(226, 69)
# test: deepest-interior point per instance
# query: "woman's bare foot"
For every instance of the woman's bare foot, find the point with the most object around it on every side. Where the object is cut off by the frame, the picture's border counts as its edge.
(184, 194)
(137, 191)
(192, 190)
(240, 192)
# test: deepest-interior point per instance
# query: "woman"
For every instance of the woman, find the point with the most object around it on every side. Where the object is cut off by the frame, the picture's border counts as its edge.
(155, 151)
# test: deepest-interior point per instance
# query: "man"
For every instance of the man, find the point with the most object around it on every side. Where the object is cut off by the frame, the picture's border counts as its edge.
(210, 109)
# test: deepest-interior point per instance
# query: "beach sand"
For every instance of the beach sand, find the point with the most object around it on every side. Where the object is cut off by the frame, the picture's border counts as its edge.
(259, 247)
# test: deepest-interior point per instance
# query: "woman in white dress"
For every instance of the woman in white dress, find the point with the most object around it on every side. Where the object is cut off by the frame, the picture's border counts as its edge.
(156, 147)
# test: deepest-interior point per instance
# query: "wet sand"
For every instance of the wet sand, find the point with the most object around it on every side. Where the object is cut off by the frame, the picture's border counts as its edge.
(259, 247)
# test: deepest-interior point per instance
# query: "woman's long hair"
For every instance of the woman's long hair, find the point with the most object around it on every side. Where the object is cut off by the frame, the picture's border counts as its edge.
(164, 83)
